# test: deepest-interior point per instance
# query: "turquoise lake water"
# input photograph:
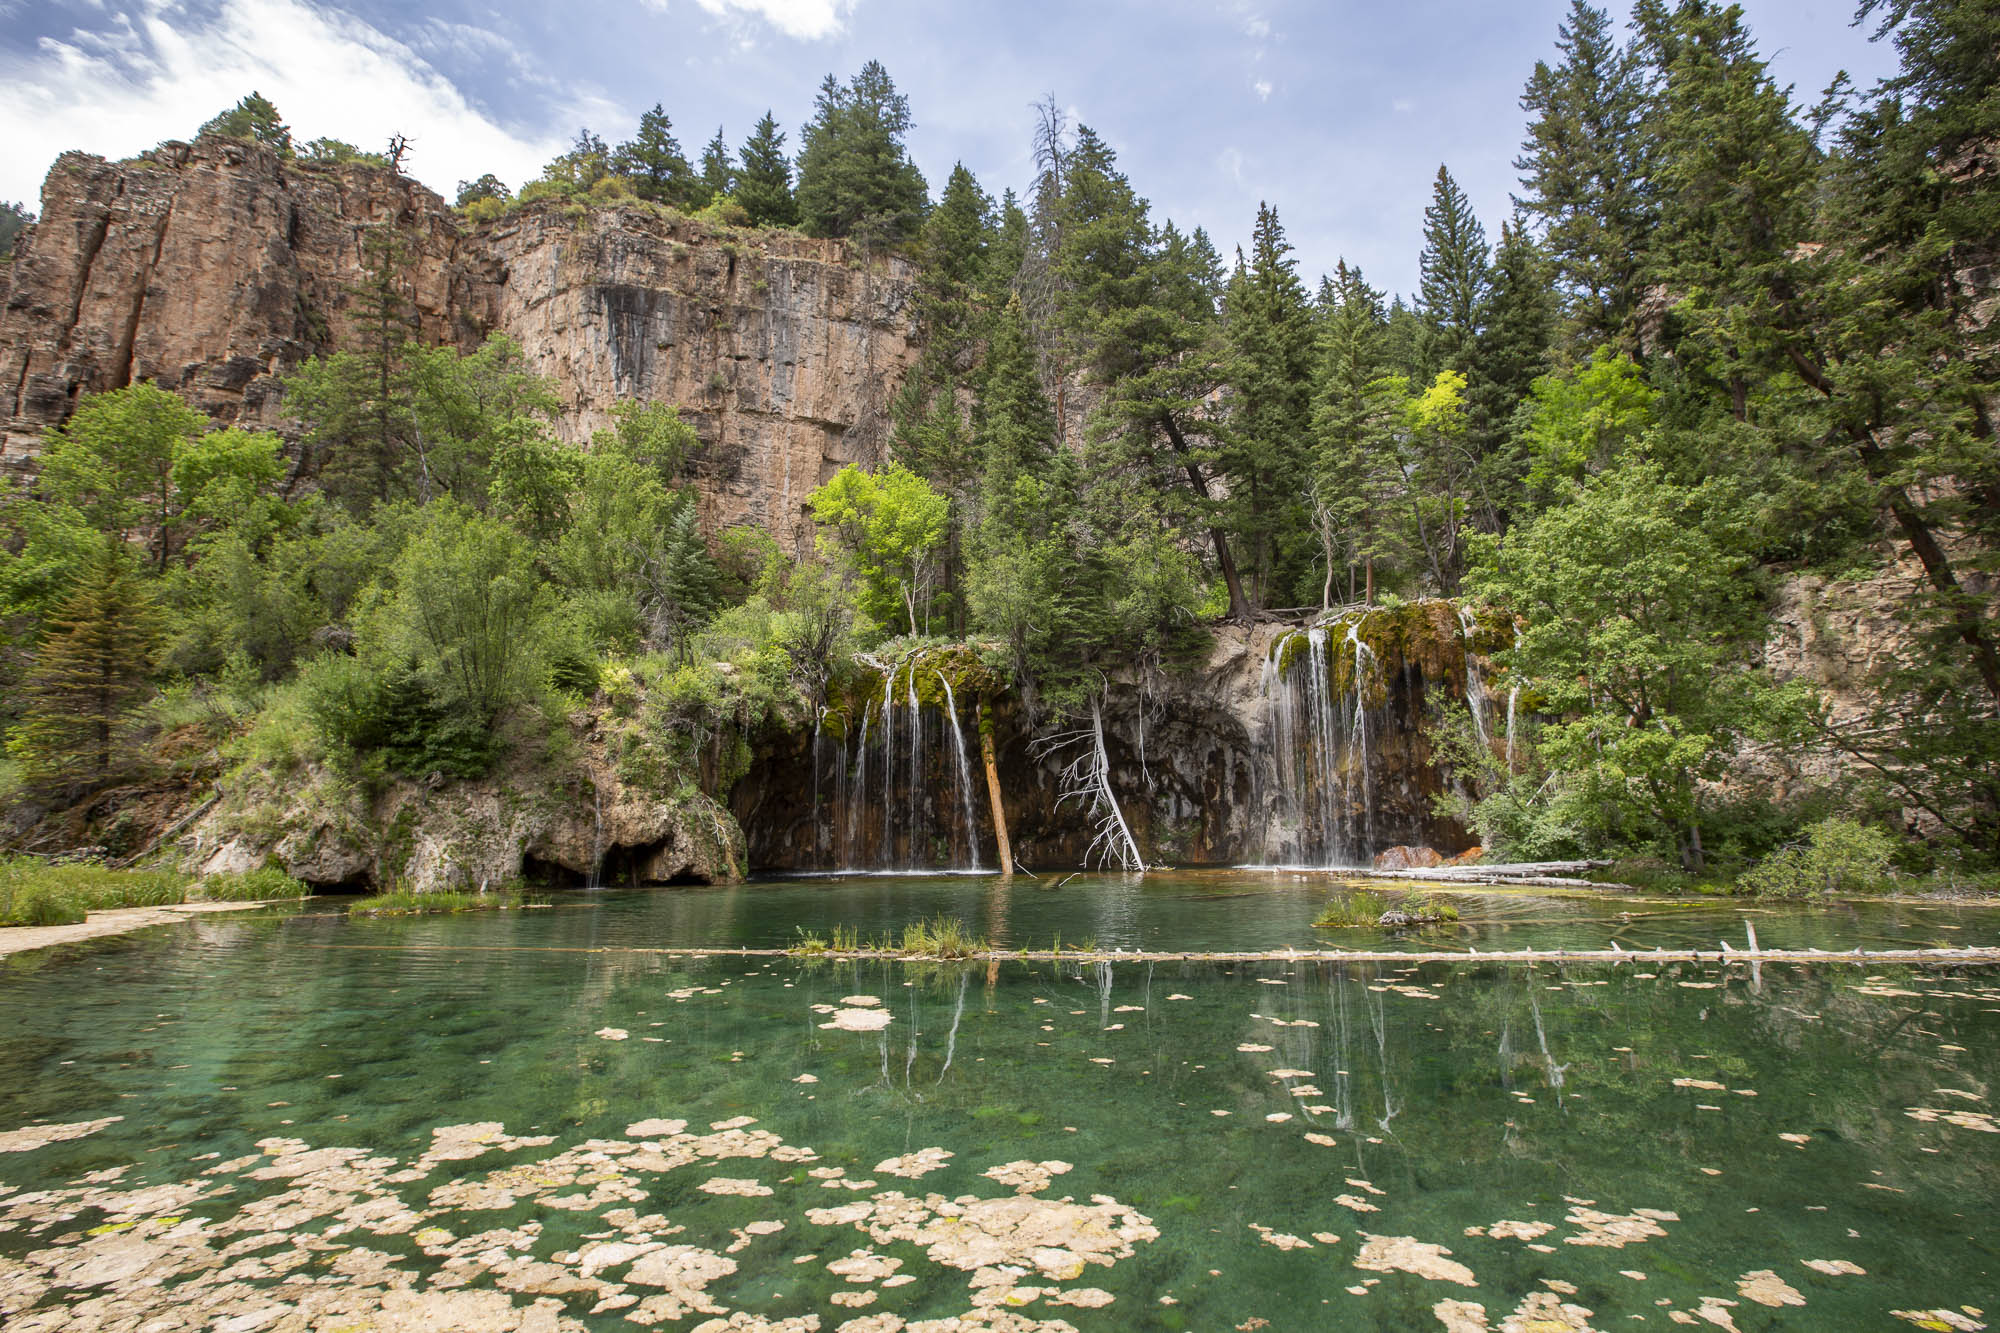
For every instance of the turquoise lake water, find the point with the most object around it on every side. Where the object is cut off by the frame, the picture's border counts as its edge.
(296, 1120)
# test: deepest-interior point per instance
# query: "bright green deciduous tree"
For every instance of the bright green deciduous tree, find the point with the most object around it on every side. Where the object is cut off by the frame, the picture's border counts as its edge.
(893, 524)
(1584, 421)
(1637, 626)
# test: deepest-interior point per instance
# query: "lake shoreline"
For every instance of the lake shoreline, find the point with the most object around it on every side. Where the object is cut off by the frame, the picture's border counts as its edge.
(111, 921)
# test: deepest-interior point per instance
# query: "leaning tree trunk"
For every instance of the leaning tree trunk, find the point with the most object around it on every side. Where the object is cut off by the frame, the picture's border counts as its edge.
(993, 789)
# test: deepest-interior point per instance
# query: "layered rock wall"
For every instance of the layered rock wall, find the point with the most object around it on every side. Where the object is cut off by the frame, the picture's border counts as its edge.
(215, 268)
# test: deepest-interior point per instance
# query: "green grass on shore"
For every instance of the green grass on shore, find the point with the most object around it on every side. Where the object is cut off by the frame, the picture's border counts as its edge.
(41, 893)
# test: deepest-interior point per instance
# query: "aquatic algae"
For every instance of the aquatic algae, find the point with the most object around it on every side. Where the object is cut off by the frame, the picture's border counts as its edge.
(1615, 1231)
(1942, 1320)
(1545, 1312)
(1027, 1177)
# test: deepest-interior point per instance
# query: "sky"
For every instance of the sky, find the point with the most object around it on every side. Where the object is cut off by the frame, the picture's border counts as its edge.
(1337, 112)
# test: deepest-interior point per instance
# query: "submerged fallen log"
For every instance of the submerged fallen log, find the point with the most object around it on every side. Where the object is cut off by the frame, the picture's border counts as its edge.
(1533, 874)
(1974, 956)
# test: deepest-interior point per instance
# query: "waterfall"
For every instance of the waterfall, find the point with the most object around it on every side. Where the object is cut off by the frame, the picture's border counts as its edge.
(1320, 743)
(1475, 685)
(964, 772)
(892, 794)
(1513, 698)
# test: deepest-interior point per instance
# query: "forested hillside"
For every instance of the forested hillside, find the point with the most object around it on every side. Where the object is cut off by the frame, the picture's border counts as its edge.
(1728, 339)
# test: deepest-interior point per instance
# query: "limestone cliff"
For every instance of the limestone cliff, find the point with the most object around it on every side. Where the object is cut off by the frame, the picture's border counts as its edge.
(215, 268)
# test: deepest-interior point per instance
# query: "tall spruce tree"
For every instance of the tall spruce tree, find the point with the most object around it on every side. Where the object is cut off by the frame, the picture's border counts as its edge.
(653, 162)
(1511, 352)
(1735, 175)
(90, 668)
(1583, 176)
(855, 175)
(1354, 478)
(718, 169)
(1454, 269)
(764, 177)
(1138, 314)
(1264, 451)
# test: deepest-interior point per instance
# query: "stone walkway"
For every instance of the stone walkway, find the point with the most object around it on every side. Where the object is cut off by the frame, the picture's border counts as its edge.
(112, 921)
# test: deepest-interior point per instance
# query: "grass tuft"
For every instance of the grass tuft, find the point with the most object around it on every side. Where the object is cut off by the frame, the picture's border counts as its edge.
(424, 904)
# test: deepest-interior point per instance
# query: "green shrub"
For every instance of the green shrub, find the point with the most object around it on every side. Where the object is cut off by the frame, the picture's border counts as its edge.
(1837, 856)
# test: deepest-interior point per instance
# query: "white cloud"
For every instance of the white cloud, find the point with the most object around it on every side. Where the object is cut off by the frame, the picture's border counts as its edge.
(807, 20)
(120, 91)
(1263, 89)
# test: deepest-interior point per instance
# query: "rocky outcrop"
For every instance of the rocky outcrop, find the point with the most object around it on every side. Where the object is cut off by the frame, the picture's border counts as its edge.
(581, 825)
(215, 268)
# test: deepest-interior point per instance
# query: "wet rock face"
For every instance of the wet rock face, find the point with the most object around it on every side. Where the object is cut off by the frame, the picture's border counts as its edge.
(1197, 762)
(215, 268)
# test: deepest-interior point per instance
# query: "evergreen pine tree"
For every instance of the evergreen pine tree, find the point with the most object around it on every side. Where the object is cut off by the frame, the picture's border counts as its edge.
(855, 175)
(1137, 312)
(718, 171)
(1735, 174)
(1512, 350)
(764, 177)
(1270, 338)
(652, 160)
(90, 667)
(254, 119)
(1454, 274)
(1354, 475)
(1583, 178)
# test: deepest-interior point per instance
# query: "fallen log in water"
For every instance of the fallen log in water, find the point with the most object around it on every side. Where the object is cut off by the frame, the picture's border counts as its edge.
(1978, 956)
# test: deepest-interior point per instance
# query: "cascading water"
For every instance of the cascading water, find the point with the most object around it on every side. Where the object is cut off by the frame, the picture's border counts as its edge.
(965, 805)
(889, 775)
(1350, 767)
(1475, 684)
(1320, 745)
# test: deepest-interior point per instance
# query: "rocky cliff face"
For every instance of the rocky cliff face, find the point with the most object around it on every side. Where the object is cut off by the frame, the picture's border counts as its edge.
(215, 268)
(1266, 752)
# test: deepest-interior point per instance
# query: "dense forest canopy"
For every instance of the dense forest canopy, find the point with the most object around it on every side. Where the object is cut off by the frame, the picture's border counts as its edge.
(1724, 339)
